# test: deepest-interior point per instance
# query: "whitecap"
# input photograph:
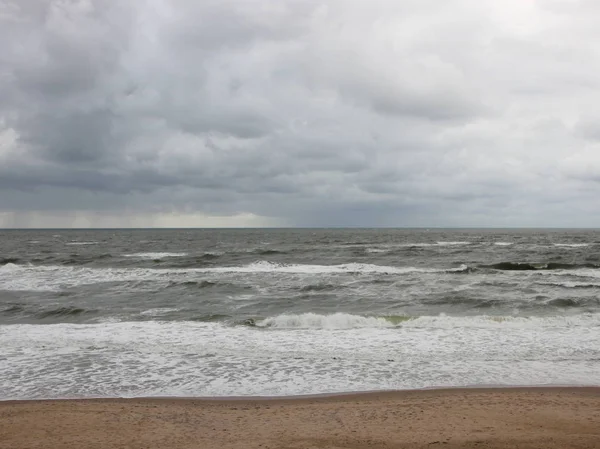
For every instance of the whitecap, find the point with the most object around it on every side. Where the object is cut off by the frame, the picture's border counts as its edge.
(159, 311)
(316, 321)
(157, 255)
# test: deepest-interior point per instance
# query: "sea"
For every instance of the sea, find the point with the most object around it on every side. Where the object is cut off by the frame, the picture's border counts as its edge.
(279, 312)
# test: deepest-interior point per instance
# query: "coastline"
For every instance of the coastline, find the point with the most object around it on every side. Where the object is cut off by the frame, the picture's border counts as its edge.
(482, 417)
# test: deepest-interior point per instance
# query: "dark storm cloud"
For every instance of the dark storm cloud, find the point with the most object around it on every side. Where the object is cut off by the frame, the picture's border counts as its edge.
(298, 112)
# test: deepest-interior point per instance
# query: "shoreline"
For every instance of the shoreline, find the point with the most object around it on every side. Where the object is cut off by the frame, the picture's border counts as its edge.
(310, 396)
(549, 417)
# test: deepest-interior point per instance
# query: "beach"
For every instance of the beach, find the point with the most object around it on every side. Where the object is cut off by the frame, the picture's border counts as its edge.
(450, 418)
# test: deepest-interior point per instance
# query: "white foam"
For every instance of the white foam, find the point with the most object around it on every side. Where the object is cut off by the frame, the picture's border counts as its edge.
(159, 311)
(212, 359)
(155, 255)
(503, 243)
(316, 321)
(571, 245)
(391, 246)
(349, 321)
(495, 322)
(56, 278)
(81, 243)
(358, 268)
(10, 267)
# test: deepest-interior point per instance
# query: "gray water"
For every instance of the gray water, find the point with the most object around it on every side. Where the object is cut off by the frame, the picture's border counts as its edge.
(282, 311)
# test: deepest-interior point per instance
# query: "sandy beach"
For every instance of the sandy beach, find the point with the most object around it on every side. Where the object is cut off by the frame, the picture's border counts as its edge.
(466, 418)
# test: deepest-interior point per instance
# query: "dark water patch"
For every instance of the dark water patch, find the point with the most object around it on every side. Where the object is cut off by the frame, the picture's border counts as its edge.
(564, 302)
(83, 259)
(210, 318)
(204, 260)
(359, 252)
(454, 300)
(489, 303)
(209, 256)
(205, 284)
(267, 252)
(519, 266)
(13, 308)
(319, 287)
(250, 322)
(66, 311)
(380, 281)
(201, 284)
(570, 266)
(511, 266)
(64, 294)
(7, 260)
(573, 302)
(570, 285)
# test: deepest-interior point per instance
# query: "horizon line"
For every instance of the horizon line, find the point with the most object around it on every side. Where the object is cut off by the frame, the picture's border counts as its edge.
(157, 228)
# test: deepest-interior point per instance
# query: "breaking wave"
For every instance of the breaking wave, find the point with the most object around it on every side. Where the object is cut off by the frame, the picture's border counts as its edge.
(316, 321)
(571, 245)
(349, 321)
(157, 255)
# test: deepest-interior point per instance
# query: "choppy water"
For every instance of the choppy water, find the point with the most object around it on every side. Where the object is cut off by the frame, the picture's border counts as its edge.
(279, 312)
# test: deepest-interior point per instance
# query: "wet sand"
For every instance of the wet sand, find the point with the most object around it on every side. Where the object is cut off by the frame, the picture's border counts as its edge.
(543, 418)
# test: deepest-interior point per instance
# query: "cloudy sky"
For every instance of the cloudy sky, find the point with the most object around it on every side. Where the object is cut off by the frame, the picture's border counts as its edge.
(299, 113)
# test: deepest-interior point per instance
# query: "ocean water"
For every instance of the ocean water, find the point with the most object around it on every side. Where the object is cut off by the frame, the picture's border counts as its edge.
(100, 313)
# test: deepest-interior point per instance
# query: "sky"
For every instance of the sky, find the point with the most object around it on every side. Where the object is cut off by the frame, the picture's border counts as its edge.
(235, 113)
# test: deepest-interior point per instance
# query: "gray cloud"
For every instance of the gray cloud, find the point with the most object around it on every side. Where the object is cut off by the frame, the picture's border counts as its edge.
(386, 113)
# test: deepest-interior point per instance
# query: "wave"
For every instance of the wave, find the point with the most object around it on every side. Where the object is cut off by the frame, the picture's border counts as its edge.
(571, 245)
(573, 302)
(519, 266)
(9, 260)
(319, 287)
(64, 311)
(210, 256)
(376, 250)
(12, 308)
(349, 321)
(349, 268)
(197, 284)
(157, 255)
(81, 243)
(316, 321)
(211, 317)
(159, 311)
(574, 285)
(10, 266)
(266, 252)
(59, 277)
(77, 259)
